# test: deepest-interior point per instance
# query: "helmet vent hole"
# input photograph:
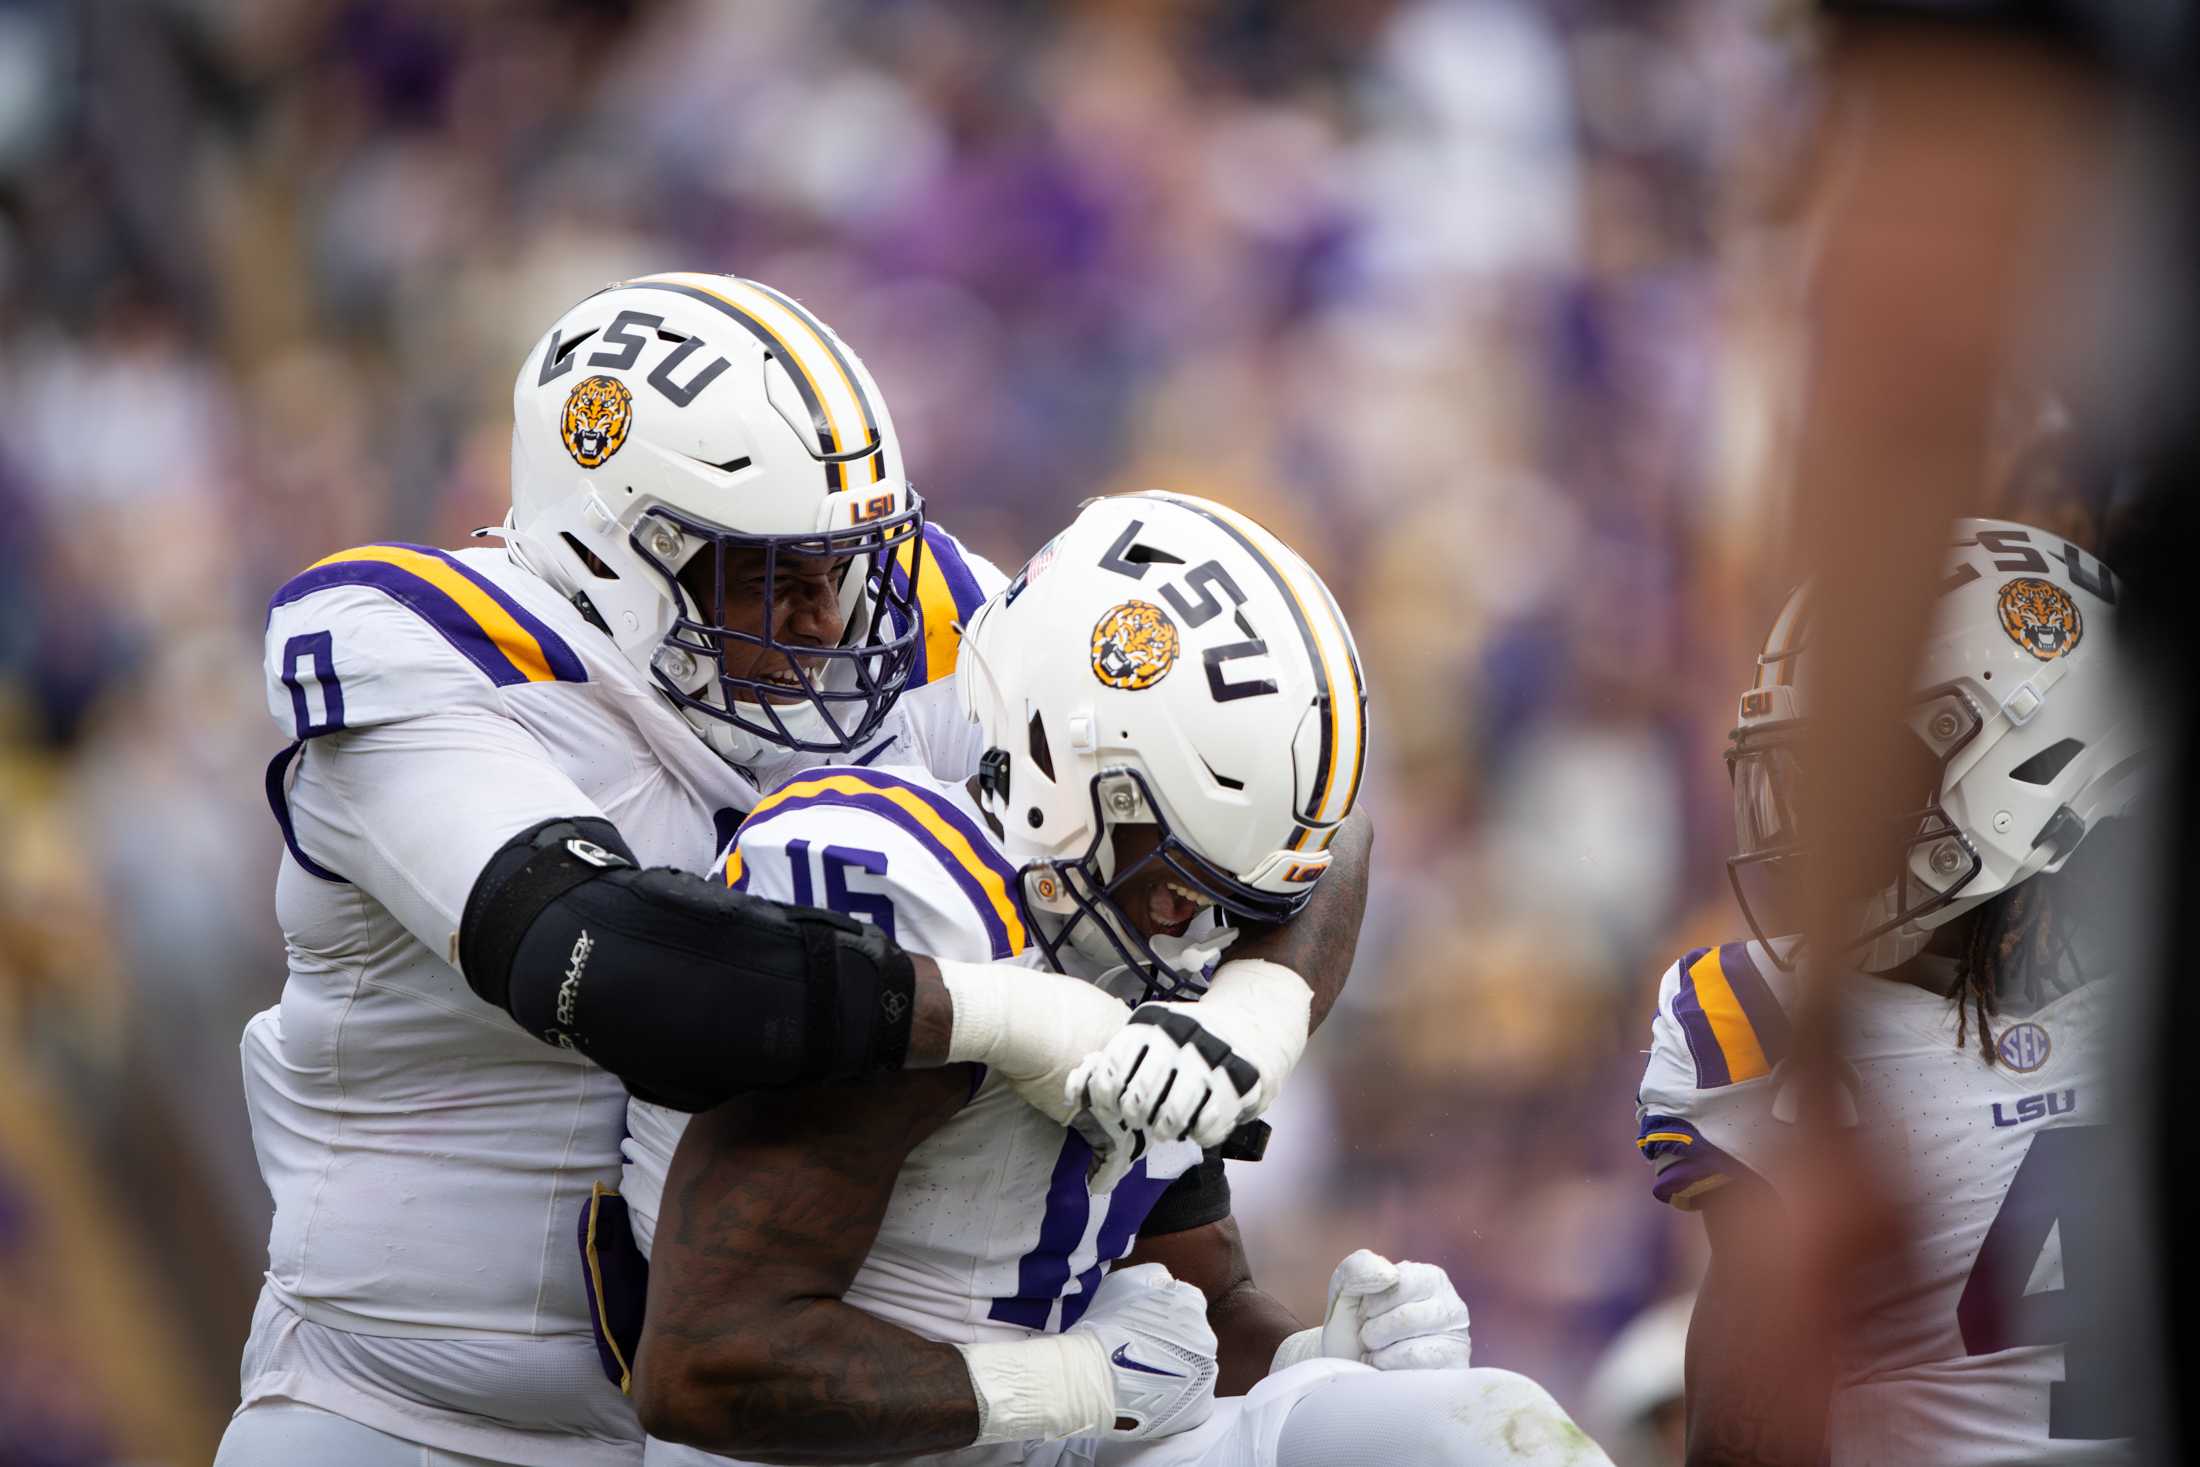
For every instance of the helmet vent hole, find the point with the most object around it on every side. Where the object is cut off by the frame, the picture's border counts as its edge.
(1042, 758)
(567, 348)
(1220, 778)
(1143, 554)
(595, 566)
(2042, 767)
(672, 336)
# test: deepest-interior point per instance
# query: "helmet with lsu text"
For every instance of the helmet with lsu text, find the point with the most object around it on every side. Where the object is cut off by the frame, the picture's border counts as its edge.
(2025, 737)
(1164, 662)
(683, 445)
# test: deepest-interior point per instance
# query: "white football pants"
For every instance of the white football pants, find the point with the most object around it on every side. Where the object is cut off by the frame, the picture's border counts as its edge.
(288, 1434)
(1322, 1413)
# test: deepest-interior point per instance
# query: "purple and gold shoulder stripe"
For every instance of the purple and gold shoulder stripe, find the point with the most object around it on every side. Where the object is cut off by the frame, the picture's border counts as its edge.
(1687, 1166)
(945, 833)
(507, 642)
(948, 595)
(1735, 1027)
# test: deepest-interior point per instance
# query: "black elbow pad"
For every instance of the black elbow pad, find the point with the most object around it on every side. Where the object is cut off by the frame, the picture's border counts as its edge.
(686, 990)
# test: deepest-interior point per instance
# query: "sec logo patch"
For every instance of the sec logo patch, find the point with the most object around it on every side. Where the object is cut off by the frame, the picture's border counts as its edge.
(2023, 1047)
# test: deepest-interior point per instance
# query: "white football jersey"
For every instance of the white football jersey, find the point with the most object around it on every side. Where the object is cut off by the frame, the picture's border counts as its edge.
(992, 1232)
(428, 1160)
(1966, 1357)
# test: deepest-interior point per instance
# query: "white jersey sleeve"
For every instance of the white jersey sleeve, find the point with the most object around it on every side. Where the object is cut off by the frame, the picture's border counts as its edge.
(952, 583)
(1709, 1109)
(893, 848)
(386, 665)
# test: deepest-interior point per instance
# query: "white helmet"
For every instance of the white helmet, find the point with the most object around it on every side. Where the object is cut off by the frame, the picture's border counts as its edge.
(1163, 661)
(2027, 738)
(667, 421)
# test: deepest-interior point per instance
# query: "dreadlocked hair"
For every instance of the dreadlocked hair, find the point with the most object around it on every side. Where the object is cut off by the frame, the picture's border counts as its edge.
(2022, 951)
(2017, 945)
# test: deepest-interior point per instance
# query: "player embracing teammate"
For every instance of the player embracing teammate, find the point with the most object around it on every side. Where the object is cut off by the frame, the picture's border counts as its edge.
(508, 763)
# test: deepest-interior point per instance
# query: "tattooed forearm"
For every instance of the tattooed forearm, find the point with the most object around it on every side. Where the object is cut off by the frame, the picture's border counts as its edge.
(1320, 942)
(770, 1208)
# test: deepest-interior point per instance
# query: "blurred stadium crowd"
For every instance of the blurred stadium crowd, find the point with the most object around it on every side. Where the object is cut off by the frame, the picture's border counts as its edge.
(1481, 303)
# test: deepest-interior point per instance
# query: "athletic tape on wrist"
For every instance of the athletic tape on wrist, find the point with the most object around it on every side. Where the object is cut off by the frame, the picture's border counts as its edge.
(1040, 1389)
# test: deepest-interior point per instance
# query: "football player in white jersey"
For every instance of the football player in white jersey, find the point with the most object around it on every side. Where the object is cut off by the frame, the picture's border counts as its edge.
(918, 1266)
(713, 574)
(1972, 1042)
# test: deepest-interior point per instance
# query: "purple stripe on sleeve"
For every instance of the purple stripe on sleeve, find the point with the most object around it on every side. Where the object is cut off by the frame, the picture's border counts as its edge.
(426, 601)
(1702, 1163)
(557, 654)
(1654, 1125)
(1763, 1011)
(1042, 1272)
(441, 612)
(1682, 1165)
(1703, 1045)
(961, 584)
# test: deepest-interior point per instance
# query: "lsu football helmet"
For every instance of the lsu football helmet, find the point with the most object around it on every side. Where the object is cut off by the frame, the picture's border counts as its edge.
(680, 443)
(1163, 661)
(2025, 738)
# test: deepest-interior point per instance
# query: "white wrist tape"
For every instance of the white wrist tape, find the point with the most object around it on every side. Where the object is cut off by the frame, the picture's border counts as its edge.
(1041, 1389)
(1012, 1019)
(1297, 1349)
(981, 1010)
(1266, 1009)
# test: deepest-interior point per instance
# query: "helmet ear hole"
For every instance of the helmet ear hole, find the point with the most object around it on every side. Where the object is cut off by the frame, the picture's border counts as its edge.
(1042, 758)
(588, 557)
(2042, 767)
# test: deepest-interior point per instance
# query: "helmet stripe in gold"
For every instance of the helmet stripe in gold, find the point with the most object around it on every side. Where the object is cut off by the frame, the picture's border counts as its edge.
(828, 431)
(840, 362)
(1332, 728)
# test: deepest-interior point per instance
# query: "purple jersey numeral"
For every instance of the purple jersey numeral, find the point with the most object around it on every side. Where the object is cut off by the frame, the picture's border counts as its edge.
(317, 649)
(873, 907)
(2060, 1188)
(1043, 1275)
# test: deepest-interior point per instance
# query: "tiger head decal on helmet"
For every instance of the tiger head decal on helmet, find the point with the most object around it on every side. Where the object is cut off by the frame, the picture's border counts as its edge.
(1133, 646)
(598, 412)
(2040, 617)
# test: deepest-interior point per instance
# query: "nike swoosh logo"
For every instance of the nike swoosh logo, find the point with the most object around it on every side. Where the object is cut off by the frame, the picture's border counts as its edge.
(1129, 1364)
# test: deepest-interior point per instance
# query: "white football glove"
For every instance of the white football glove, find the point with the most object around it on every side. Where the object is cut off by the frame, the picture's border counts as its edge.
(1393, 1316)
(1033, 1027)
(1194, 1071)
(1159, 1348)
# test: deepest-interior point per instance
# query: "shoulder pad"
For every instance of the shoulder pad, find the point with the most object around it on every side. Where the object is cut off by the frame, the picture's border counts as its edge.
(386, 632)
(952, 583)
(1724, 1004)
(1721, 1026)
(928, 859)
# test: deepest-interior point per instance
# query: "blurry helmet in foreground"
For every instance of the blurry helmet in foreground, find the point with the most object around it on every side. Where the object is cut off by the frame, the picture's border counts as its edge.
(677, 441)
(1164, 662)
(2024, 739)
